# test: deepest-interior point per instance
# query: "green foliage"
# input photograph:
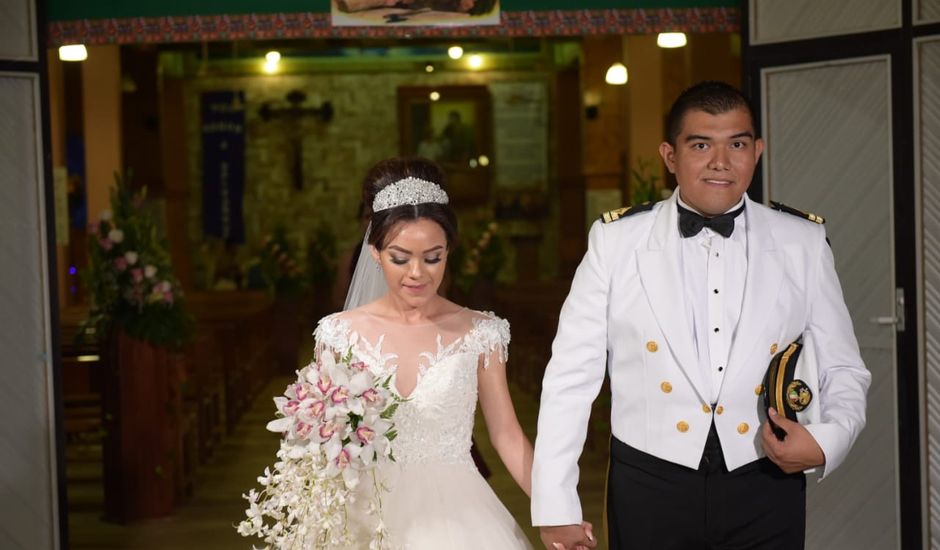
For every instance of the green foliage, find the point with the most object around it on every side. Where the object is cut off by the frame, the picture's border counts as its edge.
(643, 187)
(321, 257)
(130, 277)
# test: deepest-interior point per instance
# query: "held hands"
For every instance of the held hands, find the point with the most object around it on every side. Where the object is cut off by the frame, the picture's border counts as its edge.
(797, 452)
(569, 537)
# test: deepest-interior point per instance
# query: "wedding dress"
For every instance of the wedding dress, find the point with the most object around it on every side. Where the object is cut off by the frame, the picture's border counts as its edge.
(436, 498)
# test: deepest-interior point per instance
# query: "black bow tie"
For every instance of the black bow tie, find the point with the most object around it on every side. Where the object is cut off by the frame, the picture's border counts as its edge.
(691, 223)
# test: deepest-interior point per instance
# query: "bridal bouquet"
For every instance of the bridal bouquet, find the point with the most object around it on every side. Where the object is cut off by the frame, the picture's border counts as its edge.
(336, 425)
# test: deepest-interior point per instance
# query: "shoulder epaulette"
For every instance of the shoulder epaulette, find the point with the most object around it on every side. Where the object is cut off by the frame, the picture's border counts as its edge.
(614, 215)
(789, 210)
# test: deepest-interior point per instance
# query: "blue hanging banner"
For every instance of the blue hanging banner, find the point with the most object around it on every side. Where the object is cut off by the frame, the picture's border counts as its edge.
(223, 165)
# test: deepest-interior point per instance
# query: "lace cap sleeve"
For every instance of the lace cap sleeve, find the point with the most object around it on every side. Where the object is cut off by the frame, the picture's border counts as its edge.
(331, 333)
(490, 336)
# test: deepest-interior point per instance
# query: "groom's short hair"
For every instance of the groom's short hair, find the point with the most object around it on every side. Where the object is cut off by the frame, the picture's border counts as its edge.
(711, 96)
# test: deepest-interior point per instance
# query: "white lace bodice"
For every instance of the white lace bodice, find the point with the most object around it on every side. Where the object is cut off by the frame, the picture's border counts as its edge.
(435, 420)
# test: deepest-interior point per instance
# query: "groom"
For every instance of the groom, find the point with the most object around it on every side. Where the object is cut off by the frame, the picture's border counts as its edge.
(685, 302)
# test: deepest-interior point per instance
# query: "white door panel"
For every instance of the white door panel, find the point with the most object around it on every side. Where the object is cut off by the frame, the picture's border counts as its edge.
(927, 86)
(777, 21)
(27, 445)
(829, 151)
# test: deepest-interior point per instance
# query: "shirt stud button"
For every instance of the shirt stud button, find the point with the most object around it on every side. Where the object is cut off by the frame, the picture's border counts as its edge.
(743, 428)
(666, 387)
(652, 346)
(682, 426)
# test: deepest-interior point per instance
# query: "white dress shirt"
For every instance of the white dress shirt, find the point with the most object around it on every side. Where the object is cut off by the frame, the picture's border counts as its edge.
(714, 269)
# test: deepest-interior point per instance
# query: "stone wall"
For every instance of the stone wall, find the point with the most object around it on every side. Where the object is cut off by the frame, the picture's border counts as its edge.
(336, 154)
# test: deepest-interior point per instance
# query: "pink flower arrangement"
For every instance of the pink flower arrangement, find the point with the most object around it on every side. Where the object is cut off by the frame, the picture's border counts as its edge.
(336, 421)
(130, 277)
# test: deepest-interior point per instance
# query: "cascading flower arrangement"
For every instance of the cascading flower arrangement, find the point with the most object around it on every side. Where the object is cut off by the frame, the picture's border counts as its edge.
(336, 421)
(130, 276)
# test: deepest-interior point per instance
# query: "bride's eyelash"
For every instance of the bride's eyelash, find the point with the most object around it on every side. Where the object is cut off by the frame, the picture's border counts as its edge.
(403, 261)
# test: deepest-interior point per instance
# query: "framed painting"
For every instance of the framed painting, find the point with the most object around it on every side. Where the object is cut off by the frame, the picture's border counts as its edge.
(408, 13)
(453, 126)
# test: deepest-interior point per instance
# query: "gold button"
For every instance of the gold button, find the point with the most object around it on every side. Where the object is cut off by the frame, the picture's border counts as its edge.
(759, 389)
(773, 348)
(682, 426)
(666, 387)
(719, 409)
(706, 409)
(652, 347)
(743, 428)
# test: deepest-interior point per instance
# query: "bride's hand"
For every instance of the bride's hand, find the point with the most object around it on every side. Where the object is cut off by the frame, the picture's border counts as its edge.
(569, 537)
(589, 533)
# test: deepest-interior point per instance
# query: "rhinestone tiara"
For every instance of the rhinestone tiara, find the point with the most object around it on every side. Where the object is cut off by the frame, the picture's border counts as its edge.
(409, 191)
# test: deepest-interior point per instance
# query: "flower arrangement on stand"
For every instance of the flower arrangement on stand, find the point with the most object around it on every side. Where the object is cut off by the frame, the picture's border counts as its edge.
(137, 313)
(282, 272)
(130, 277)
(336, 425)
(479, 259)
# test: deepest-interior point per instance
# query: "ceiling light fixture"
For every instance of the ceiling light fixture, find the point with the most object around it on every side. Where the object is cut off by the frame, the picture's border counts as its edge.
(671, 39)
(617, 74)
(475, 61)
(73, 52)
(271, 61)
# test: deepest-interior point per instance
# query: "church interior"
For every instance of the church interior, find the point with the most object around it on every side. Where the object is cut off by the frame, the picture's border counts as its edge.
(181, 188)
(543, 142)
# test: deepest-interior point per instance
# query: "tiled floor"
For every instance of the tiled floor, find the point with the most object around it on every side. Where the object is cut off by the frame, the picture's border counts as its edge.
(206, 521)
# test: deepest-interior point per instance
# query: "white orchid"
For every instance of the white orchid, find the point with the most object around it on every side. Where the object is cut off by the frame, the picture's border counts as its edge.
(116, 235)
(336, 427)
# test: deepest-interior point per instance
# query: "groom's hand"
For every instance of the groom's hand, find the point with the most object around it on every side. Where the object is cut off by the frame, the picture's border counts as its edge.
(568, 537)
(797, 452)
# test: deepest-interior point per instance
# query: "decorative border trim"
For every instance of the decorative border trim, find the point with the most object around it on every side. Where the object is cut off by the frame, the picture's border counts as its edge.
(317, 25)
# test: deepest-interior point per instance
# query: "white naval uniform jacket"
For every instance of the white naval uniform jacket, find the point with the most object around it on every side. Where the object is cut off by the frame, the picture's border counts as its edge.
(626, 311)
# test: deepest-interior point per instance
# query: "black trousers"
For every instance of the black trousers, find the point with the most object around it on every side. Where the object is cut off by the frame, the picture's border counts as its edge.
(653, 504)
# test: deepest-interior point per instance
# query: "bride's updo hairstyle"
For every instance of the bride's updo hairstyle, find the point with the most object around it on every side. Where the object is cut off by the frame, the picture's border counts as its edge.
(394, 171)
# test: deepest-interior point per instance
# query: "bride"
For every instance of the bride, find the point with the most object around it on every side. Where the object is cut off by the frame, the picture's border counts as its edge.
(442, 358)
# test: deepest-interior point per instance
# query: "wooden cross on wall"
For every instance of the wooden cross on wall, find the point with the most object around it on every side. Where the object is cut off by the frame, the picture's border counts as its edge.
(294, 115)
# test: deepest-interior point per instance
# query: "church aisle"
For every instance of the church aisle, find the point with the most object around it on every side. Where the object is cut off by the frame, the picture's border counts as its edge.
(207, 520)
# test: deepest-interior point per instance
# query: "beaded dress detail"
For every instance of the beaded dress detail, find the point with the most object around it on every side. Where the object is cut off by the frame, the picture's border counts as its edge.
(436, 497)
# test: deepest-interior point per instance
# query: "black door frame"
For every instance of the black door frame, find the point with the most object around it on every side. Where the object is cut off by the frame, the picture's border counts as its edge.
(898, 45)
